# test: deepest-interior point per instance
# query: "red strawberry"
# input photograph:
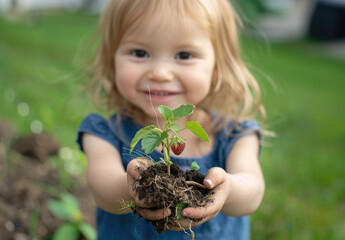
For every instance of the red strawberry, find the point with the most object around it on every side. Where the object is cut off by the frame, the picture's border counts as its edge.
(178, 148)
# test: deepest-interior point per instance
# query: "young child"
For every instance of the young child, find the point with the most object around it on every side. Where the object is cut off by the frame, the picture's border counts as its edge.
(173, 52)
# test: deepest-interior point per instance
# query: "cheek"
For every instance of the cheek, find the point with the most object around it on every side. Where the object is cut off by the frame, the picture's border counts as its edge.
(199, 82)
(125, 81)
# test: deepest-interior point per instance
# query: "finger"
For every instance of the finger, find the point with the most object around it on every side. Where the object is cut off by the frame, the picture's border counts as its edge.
(136, 166)
(214, 177)
(212, 208)
(154, 215)
(200, 212)
(134, 169)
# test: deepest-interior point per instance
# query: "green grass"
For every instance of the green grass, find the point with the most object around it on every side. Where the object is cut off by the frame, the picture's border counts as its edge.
(304, 166)
(39, 64)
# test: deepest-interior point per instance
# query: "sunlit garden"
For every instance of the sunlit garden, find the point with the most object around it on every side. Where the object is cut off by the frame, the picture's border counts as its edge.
(41, 61)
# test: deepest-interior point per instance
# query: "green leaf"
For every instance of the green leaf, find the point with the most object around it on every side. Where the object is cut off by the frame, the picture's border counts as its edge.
(182, 111)
(67, 208)
(164, 135)
(179, 208)
(70, 201)
(198, 131)
(195, 166)
(165, 111)
(58, 209)
(88, 231)
(72, 206)
(150, 141)
(139, 135)
(66, 231)
(175, 127)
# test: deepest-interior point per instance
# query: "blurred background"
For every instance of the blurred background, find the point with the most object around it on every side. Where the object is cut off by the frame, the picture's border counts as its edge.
(296, 49)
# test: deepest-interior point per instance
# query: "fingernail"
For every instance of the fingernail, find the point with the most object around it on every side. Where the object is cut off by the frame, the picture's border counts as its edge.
(209, 182)
(184, 213)
(166, 213)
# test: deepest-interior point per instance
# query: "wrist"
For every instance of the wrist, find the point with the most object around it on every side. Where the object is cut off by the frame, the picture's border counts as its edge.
(245, 194)
(229, 180)
(235, 183)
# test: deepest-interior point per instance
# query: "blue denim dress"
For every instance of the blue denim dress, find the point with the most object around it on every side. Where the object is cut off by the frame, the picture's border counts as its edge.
(129, 226)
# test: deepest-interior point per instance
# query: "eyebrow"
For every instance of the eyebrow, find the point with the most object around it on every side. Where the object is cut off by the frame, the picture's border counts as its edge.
(182, 45)
(194, 44)
(134, 41)
(187, 45)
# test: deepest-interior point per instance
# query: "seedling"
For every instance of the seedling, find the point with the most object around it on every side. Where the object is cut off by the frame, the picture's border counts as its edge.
(151, 136)
(194, 166)
(67, 208)
(179, 208)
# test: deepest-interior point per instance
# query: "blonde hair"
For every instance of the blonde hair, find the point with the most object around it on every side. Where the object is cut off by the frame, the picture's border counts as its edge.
(236, 93)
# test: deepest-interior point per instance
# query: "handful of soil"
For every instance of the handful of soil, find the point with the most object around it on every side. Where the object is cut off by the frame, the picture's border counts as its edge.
(164, 191)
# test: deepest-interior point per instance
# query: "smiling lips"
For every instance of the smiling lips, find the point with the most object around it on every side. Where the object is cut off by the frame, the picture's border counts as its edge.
(160, 93)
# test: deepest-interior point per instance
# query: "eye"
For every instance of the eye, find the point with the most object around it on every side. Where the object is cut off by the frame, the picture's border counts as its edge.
(183, 55)
(139, 53)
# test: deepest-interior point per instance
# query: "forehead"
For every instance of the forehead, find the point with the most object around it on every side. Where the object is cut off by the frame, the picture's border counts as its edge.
(165, 15)
(158, 25)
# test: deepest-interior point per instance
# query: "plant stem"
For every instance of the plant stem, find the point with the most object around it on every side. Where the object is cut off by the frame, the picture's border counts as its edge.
(166, 147)
(33, 224)
(167, 157)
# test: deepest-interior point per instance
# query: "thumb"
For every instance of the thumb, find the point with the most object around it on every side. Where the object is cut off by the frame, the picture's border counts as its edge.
(214, 177)
(136, 166)
(134, 170)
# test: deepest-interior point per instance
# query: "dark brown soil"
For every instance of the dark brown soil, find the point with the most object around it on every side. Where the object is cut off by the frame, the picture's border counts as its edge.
(26, 173)
(166, 191)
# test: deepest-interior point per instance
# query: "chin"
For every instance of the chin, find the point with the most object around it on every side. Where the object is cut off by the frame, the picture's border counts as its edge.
(150, 113)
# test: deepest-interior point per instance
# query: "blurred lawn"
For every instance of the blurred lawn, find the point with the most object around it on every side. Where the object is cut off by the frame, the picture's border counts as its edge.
(304, 166)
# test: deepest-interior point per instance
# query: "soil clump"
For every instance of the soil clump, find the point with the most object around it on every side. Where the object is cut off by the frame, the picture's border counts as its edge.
(166, 191)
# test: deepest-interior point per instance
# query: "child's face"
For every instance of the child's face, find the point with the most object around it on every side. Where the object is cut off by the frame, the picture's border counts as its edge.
(170, 65)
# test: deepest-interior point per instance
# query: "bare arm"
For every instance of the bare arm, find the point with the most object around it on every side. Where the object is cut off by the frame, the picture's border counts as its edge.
(105, 174)
(246, 181)
(108, 181)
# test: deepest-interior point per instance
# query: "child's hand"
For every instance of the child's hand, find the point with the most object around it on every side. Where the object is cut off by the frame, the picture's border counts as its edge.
(218, 180)
(133, 174)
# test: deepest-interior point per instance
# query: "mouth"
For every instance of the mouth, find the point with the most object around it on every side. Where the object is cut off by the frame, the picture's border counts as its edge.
(160, 96)
(160, 93)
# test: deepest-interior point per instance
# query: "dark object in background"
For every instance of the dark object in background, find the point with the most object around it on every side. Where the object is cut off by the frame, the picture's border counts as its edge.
(38, 146)
(328, 21)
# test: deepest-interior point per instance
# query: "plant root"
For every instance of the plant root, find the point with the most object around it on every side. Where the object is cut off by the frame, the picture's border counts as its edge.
(195, 184)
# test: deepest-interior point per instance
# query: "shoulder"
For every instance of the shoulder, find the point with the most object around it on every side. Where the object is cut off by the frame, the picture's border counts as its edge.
(94, 118)
(233, 129)
(247, 127)
(232, 132)
(230, 127)
(99, 126)
(114, 129)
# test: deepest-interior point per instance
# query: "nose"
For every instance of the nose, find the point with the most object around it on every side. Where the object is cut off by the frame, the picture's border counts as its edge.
(161, 73)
